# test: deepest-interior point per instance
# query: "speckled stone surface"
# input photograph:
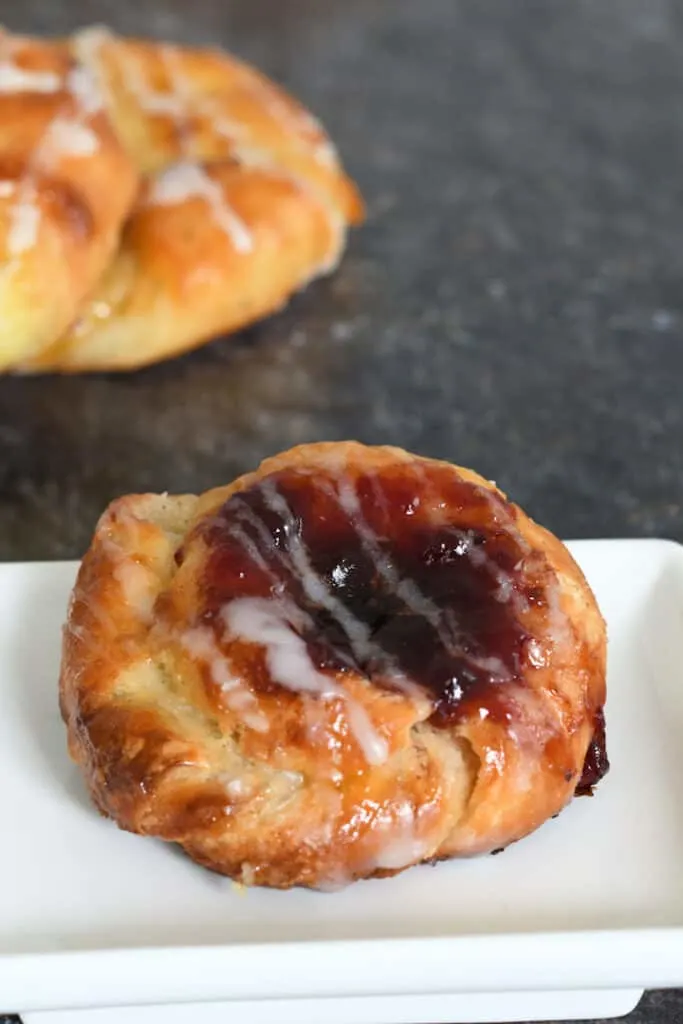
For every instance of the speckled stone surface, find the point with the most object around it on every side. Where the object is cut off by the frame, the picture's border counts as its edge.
(515, 301)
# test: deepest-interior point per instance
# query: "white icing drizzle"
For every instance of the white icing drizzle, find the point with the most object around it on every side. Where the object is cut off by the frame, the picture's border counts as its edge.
(17, 79)
(295, 119)
(189, 99)
(237, 788)
(89, 41)
(188, 180)
(176, 184)
(162, 103)
(408, 591)
(24, 222)
(200, 643)
(278, 586)
(326, 155)
(87, 45)
(137, 584)
(255, 555)
(560, 632)
(505, 587)
(402, 845)
(536, 722)
(230, 130)
(298, 121)
(558, 623)
(183, 98)
(63, 136)
(315, 588)
(7, 188)
(165, 104)
(69, 138)
(263, 621)
(253, 156)
(24, 215)
(84, 87)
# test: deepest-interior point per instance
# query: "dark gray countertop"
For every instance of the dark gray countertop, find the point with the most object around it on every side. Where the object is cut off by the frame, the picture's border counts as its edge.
(515, 301)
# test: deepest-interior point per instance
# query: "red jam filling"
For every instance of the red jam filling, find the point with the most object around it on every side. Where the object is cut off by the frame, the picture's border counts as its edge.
(407, 573)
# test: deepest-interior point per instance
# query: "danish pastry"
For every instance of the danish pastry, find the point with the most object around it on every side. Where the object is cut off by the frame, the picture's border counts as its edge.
(66, 185)
(347, 662)
(242, 198)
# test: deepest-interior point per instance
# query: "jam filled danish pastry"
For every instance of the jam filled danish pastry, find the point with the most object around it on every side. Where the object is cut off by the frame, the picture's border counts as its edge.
(347, 662)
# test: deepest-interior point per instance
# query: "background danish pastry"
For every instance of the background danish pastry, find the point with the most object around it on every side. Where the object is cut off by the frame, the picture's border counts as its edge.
(154, 196)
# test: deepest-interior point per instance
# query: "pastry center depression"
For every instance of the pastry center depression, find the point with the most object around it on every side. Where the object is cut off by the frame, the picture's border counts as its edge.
(409, 577)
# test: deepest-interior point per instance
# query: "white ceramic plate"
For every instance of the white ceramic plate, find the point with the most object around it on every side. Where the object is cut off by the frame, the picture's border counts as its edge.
(592, 903)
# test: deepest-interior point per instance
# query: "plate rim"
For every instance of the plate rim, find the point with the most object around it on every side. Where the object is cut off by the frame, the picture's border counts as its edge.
(599, 958)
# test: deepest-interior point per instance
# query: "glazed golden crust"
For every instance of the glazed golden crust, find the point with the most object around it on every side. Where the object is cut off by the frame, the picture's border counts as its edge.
(178, 280)
(269, 778)
(245, 202)
(59, 157)
(171, 104)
